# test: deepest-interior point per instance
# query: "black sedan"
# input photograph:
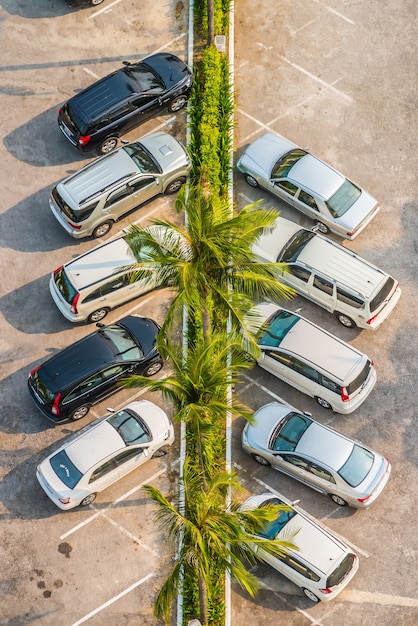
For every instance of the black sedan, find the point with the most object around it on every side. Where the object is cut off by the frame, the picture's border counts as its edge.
(83, 374)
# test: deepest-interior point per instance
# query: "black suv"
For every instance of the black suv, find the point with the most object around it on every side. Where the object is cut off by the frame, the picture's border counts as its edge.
(71, 381)
(93, 119)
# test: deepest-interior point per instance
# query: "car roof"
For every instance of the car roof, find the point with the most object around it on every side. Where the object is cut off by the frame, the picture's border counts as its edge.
(321, 349)
(103, 95)
(313, 174)
(94, 445)
(99, 263)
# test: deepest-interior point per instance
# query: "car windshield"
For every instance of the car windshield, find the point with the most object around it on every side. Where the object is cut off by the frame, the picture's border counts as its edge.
(295, 246)
(65, 469)
(288, 433)
(357, 466)
(277, 327)
(146, 80)
(283, 166)
(272, 529)
(142, 159)
(125, 345)
(130, 427)
(343, 199)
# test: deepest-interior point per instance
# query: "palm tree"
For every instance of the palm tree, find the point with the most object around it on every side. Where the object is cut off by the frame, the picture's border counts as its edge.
(209, 261)
(197, 388)
(216, 537)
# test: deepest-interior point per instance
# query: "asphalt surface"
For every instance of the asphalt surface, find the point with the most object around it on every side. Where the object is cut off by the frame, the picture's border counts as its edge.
(338, 79)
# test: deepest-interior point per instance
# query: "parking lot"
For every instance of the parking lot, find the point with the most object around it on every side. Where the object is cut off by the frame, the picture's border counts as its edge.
(338, 79)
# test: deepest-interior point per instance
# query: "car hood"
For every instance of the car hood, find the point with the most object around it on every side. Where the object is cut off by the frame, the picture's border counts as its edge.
(271, 244)
(263, 153)
(166, 150)
(170, 68)
(144, 331)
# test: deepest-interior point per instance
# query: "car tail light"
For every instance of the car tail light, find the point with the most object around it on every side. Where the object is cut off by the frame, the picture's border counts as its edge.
(84, 139)
(326, 590)
(74, 226)
(65, 500)
(344, 395)
(371, 320)
(33, 372)
(73, 307)
(59, 111)
(55, 407)
(55, 272)
(364, 499)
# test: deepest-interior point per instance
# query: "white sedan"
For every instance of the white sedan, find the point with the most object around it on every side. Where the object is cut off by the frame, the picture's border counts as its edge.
(308, 185)
(103, 452)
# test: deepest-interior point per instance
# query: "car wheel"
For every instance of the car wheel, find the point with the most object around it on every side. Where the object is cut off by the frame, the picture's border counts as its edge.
(261, 460)
(177, 103)
(153, 368)
(98, 315)
(338, 500)
(251, 180)
(345, 320)
(159, 453)
(174, 185)
(79, 413)
(108, 145)
(102, 229)
(88, 499)
(322, 228)
(94, 3)
(310, 594)
(323, 403)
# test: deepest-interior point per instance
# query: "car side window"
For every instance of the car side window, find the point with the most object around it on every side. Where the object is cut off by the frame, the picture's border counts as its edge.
(141, 183)
(289, 188)
(127, 455)
(306, 198)
(349, 298)
(85, 387)
(103, 469)
(300, 567)
(306, 370)
(109, 287)
(121, 112)
(319, 471)
(284, 359)
(111, 372)
(300, 272)
(117, 195)
(296, 461)
(323, 284)
(331, 385)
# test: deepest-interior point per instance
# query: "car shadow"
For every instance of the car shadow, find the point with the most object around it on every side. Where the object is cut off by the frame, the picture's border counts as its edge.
(36, 10)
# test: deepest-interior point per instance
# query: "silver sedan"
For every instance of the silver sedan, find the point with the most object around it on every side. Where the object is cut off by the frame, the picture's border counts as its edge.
(308, 185)
(316, 455)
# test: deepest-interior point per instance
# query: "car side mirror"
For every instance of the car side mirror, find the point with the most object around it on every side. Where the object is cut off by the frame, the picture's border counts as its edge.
(100, 325)
(127, 63)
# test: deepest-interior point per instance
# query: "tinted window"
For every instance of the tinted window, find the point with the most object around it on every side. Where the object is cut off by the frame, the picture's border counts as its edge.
(77, 215)
(273, 528)
(287, 435)
(300, 567)
(306, 370)
(286, 162)
(323, 284)
(80, 124)
(130, 427)
(104, 469)
(109, 287)
(65, 469)
(120, 112)
(141, 183)
(341, 571)
(64, 286)
(117, 195)
(382, 295)
(360, 379)
(127, 455)
(41, 387)
(284, 359)
(349, 298)
(277, 327)
(85, 387)
(287, 187)
(300, 272)
(146, 80)
(306, 198)
(343, 199)
(295, 246)
(357, 466)
(321, 472)
(331, 385)
(142, 158)
(123, 341)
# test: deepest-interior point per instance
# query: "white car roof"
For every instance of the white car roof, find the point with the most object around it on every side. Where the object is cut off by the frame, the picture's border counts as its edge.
(312, 173)
(93, 446)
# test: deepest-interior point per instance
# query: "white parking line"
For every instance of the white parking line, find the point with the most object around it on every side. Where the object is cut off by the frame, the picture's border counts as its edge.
(90, 73)
(337, 13)
(126, 532)
(270, 393)
(114, 599)
(103, 10)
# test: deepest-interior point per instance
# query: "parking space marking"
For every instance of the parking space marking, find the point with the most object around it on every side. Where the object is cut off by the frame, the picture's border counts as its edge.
(114, 599)
(263, 388)
(373, 597)
(90, 73)
(126, 532)
(106, 9)
(313, 620)
(337, 13)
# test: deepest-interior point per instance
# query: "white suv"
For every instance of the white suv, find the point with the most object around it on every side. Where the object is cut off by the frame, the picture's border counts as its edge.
(309, 358)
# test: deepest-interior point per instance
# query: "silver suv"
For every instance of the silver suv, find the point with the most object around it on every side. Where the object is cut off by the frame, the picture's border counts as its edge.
(91, 200)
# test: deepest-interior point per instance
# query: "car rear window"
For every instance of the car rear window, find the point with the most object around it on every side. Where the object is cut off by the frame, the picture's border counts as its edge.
(382, 294)
(277, 327)
(357, 466)
(41, 387)
(343, 199)
(64, 285)
(65, 469)
(76, 216)
(341, 571)
(75, 120)
(360, 379)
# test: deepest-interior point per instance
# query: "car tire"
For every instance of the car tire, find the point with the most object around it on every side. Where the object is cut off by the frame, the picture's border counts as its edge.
(108, 145)
(88, 499)
(322, 228)
(153, 368)
(79, 413)
(250, 180)
(338, 500)
(175, 185)
(177, 103)
(94, 3)
(97, 315)
(159, 453)
(261, 460)
(310, 594)
(102, 229)
(324, 403)
(345, 320)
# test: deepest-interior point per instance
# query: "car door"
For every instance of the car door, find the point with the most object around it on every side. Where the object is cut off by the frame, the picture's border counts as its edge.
(118, 202)
(306, 203)
(110, 377)
(276, 362)
(299, 468)
(323, 291)
(304, 377)
(299, 278)
(283, 189)
(130, 459)
(144, 188)
(103, 475)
